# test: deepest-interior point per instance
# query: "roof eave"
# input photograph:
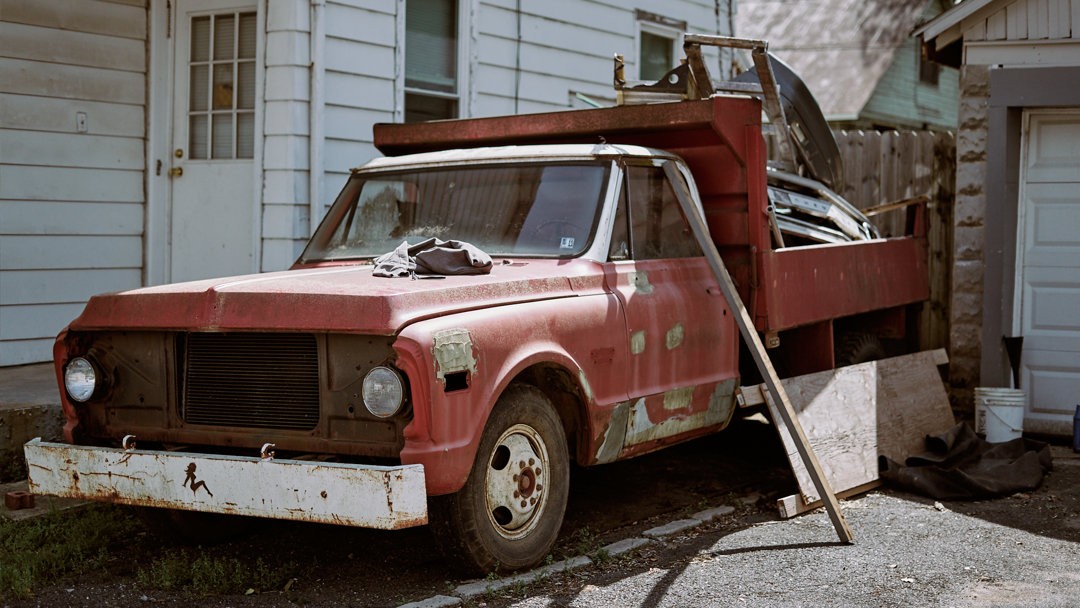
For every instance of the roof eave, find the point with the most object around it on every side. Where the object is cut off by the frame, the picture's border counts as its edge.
(952, 17)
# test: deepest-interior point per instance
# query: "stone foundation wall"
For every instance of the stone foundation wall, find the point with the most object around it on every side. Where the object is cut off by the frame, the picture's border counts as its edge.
(966, 304)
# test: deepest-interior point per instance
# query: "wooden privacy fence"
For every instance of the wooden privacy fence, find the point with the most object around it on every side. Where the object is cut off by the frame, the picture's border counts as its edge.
(882, 167)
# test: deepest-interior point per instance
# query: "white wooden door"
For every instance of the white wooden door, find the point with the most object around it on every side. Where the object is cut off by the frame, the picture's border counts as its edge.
(213, 219)
(1048, 277)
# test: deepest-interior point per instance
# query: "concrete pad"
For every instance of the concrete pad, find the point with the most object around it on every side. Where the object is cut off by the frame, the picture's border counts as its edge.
(672, 528)
(42, 504)
(626, 545)
(710, 514)
(436, 601)
(29, 407)
(470, 590)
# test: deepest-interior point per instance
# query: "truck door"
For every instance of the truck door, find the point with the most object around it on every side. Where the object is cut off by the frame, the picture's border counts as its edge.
(683, 340)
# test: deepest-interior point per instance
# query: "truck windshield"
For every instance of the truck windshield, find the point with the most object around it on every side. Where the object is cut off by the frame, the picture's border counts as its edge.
(533, 209)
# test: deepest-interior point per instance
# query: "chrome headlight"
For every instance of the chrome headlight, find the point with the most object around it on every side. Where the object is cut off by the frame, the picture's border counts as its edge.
(80, 379)
(384, 392)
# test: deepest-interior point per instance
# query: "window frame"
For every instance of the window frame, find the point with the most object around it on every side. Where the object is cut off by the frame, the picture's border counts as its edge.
(461, 85)
(658, 26)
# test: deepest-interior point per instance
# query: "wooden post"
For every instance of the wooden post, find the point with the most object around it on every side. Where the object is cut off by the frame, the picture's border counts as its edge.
(757, 350)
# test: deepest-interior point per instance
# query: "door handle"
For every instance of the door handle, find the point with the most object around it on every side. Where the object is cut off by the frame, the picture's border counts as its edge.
(176, 172)
(714, 291)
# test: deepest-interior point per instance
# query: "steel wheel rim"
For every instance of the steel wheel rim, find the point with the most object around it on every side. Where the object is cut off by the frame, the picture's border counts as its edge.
(516, 481)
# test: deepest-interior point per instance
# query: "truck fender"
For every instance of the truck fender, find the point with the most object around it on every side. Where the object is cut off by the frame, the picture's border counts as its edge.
(459, 365)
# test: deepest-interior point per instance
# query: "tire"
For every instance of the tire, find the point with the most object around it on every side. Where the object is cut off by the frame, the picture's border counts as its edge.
(858, 347)
(522, 459)
(193, 527)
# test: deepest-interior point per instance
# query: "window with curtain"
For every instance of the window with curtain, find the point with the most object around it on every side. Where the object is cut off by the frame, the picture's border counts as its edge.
(431, 59)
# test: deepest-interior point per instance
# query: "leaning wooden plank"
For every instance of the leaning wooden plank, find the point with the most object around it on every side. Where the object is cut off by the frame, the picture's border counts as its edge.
(757, 350)
(793, 505)
(853, 415)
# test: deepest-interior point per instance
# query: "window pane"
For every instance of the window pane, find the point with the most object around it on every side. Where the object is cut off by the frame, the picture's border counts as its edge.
(431, 44)
(245, 135)
(223, 86)
(197, 137)
(223, 135)
(619, 249)
(656, 59)
(224, 36)
(245, 85)
(528, 209)
(659, 229)
(246, 48)
(200, 39)
(419, 108)
(200, 76)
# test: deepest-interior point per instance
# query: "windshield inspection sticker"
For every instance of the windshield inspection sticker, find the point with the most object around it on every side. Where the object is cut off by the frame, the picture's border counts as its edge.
(567, 242)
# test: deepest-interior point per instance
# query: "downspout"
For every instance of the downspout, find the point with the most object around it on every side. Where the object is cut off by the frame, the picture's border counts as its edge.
(315, 114)
(517, 60)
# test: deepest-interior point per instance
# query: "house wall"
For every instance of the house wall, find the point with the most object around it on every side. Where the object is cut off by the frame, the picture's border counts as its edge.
(565, 47)
(1016, 55)
(931, 106)
(71, 189)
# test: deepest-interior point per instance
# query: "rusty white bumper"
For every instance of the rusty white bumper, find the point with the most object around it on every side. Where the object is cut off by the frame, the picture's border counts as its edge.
(366, 496)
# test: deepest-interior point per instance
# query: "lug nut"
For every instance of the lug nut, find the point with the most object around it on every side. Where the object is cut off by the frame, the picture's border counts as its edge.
(515, 477)
(539, 487)
(537, 471)
(532, 501)
(531, 462)
(517, 494)
(521, 464)
(524, 504)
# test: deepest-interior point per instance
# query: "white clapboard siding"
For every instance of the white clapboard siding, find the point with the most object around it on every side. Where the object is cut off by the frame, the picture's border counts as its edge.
(66, 184)
(35, 322)
(71, 252)
(51, 286)
(71, 150)
(1035, 20)
(36, 113)
(56, 217)
(71, 82)
(71, 48)
(114, 19)
(72, 163)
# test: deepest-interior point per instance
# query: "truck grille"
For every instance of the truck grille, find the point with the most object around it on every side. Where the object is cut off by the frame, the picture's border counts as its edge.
(268, 381)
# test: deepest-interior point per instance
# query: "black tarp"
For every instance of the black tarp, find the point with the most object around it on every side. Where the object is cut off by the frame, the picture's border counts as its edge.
(959, 465)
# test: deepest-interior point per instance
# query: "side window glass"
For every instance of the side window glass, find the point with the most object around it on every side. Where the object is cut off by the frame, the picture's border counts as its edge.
(620, 236)
(658, 227)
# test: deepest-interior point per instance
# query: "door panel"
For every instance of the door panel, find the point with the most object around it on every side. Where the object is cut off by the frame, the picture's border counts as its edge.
(683, 340)
(1049, 270)
(213, 184)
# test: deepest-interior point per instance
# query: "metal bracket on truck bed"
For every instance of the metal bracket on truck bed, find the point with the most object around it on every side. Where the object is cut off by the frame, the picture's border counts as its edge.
(770, 92)
(387, 498)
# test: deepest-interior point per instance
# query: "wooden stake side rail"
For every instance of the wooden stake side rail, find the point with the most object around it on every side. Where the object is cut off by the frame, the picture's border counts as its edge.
(757, 350)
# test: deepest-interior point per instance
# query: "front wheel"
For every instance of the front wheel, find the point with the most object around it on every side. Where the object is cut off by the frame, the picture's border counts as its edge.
(508, 514)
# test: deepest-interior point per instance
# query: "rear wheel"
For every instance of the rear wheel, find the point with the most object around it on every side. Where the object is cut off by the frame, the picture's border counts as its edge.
(858, 347)
(508, 514)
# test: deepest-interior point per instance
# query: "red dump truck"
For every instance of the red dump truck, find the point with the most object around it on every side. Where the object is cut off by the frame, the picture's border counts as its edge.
(553, 309)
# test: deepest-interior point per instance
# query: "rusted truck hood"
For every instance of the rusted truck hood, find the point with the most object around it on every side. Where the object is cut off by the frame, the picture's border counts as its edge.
(330, 299)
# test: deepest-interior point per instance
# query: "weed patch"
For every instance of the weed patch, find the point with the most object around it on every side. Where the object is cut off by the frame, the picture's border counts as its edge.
(58, 544)
(199, 571)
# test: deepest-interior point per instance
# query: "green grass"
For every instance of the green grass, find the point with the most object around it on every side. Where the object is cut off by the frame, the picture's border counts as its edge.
(106, 539)
(58, 544)
(196, 570)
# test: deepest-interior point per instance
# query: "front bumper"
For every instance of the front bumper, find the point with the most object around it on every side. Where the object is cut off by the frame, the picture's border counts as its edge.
(387, 498)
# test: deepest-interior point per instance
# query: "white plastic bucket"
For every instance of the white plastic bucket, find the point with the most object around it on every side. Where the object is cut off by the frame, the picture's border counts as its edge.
(999, 413)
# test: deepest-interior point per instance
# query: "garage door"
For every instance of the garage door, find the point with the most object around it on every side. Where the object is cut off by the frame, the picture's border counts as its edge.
(1048, 260)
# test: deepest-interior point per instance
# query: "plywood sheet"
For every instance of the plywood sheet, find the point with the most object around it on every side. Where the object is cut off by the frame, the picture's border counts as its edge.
(854, 414)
